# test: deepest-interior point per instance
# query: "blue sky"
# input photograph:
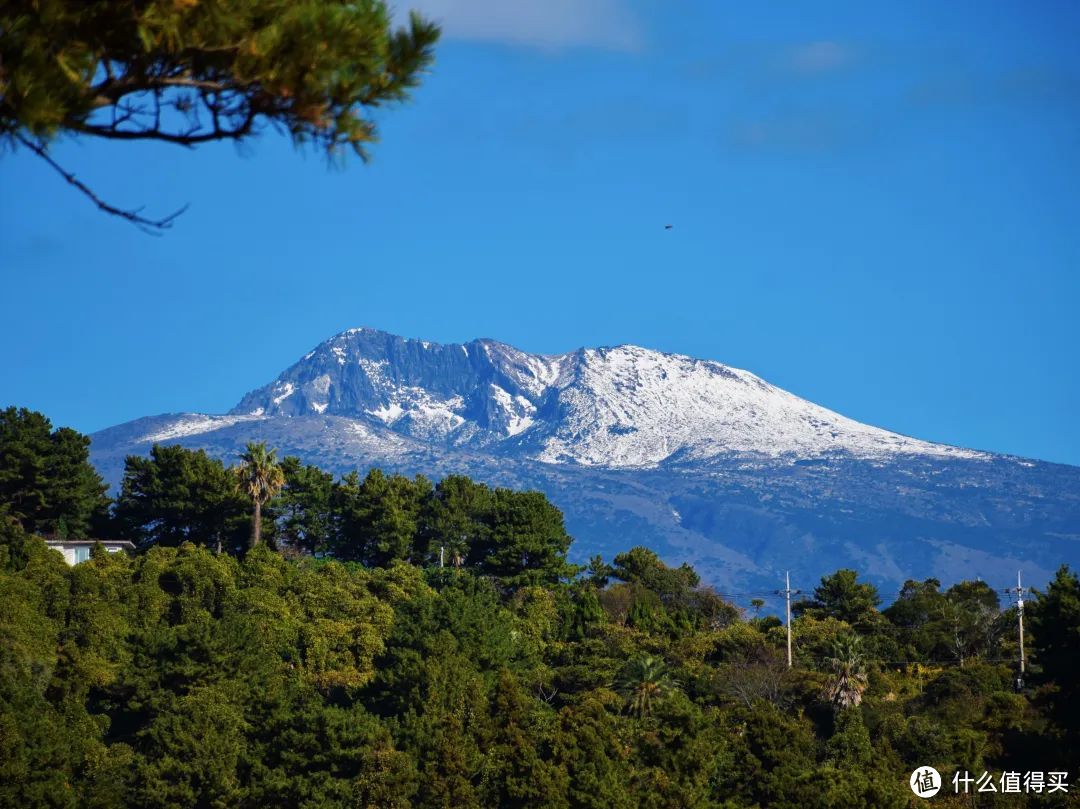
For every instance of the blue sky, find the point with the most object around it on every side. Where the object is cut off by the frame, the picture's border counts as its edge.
(873, 208)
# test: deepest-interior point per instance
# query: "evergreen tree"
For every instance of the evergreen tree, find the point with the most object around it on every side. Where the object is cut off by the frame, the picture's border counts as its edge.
(76, 492)
(915, 617)
(590, 747)
(377, 518)
(24, 457)
(971, 619)
(527, 541)
(1055, 627)
(456, 518)
(843, 597)
(518, 770)
(46, 480)
(849, 746)
(179, 495)
(303, 512)
(599, 572)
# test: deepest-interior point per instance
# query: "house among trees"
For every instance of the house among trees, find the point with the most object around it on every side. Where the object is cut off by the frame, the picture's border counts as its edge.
(78, 550)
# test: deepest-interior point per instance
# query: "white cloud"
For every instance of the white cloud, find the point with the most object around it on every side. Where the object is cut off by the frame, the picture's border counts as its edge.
(535, 23)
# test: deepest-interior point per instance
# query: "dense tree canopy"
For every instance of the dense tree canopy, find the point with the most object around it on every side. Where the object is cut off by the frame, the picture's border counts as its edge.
(183, 677)
(279, 676)
(178, 495)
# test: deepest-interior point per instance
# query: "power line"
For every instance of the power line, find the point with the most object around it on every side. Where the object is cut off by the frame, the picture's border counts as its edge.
(788, 592)
(778, 594)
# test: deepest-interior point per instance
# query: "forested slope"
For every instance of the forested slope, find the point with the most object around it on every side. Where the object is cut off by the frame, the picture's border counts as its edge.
(280, 676)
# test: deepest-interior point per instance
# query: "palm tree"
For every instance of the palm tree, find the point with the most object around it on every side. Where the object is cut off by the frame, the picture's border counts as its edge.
(643, 681)
(849, 673)
(260, 478)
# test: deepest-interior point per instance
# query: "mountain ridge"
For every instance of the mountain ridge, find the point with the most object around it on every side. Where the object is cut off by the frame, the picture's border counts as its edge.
(704, 462)
(609, 406)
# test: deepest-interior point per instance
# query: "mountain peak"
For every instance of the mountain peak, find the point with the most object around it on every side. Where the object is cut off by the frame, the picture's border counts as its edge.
(612, 406)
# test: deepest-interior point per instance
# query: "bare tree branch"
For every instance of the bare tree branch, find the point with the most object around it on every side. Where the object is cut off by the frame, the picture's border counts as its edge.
(151, 226)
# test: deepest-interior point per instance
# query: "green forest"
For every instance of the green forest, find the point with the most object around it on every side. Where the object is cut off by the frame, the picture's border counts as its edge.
(283, 637)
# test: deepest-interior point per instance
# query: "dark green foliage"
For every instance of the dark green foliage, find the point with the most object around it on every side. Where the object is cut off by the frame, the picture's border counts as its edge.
(850, 743)
(965, 621)
(184, 677)
(643, 682)
(657, 597)
(519, 770)
(582, 612)
(46, 480)
(187, 678)
(302, 513)
(526, 542)
(517, 537)
(842, 597)
(1055, 626)
(455, 520)
(179, 495)
(187, 72)
(769, 756)
(377, 517)
(599, 572)
(916, 616)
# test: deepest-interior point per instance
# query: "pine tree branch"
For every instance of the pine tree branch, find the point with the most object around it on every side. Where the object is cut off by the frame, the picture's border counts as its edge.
(150, 226)
(239, 115)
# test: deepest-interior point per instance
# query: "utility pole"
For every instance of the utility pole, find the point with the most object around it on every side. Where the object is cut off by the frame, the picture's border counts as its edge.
(1020, 618)
(788, 592)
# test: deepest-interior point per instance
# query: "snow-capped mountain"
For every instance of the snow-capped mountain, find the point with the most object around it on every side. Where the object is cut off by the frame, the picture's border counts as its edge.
(612, 407)
(704, 462)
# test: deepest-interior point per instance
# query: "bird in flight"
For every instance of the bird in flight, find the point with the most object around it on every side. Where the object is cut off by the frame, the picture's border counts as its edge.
(668, 227)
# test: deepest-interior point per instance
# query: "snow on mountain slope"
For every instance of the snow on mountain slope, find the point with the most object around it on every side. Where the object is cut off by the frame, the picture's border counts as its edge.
(191, 424)
(612, 407)
(630, 406)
